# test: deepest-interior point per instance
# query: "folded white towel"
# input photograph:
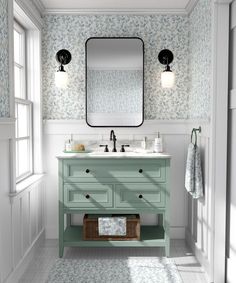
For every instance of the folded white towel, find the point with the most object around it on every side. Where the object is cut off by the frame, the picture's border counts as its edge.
(193, 174)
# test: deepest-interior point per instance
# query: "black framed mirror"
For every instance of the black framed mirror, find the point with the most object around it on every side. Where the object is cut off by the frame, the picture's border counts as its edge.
(114, 81)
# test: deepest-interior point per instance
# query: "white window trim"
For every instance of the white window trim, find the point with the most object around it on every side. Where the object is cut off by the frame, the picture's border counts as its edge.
(24, 99)
(33, 44)
(26, 184)
(29, 137)
(19, 28)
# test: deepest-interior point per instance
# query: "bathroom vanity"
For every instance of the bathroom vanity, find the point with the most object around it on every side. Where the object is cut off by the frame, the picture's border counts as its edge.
(114, 183)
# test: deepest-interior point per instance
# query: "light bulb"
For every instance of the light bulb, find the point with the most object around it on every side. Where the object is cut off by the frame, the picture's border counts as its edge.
(61, 79)
(167, 79)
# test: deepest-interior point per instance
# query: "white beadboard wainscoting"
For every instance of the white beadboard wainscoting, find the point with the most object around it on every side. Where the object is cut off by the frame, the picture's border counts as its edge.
(199, 231)
(176, 136)
(21, 214)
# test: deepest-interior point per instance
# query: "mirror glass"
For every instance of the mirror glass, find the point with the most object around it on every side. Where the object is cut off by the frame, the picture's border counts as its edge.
(114, 82)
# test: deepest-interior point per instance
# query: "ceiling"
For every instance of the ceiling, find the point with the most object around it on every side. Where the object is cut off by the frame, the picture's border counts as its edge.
(119, 5)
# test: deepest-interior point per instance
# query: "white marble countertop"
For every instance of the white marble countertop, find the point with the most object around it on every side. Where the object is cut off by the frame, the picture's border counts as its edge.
(120, 155)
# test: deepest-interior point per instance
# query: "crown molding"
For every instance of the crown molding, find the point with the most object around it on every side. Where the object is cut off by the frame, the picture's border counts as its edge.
(115, 11)
(26, 9)
(185, 11)
(190, 6)
(39, 6)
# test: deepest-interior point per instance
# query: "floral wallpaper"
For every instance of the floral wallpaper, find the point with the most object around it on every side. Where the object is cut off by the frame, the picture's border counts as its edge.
(157, 31)
(188, 37)
(115, 91)
(4, 64)
(200, 60)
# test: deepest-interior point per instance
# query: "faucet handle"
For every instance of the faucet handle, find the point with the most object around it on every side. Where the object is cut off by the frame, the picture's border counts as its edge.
(106, 147)
(123, 147)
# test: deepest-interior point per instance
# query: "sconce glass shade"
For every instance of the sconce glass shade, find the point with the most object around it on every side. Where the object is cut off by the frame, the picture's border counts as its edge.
(165, 57)
(61, 79)
(167, 79)
(63, 56)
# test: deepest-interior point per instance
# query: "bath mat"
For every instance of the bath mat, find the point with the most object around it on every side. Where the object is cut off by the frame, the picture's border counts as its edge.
(128, 270)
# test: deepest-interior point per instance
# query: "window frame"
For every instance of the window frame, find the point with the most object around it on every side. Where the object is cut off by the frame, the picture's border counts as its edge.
(23, 100)
(20, 29)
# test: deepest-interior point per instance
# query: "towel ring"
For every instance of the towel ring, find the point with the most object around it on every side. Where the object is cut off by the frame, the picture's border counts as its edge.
(195, 130)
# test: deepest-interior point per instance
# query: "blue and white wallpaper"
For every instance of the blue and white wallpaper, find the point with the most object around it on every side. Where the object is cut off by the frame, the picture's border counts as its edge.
(157, 31)
(4, 63)
(188, 37)
(200, 60)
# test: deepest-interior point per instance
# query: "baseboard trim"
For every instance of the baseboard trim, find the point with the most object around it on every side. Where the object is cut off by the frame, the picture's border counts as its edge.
(26, 259)
(199, 255)
(175, 232)
(51, 233)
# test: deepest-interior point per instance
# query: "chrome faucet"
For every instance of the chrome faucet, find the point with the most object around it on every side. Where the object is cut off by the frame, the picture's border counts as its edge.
(113, 138)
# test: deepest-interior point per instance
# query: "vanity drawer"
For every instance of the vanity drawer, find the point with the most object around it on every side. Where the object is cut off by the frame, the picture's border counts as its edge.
(88, 195)
(140, 195)
(115, 169)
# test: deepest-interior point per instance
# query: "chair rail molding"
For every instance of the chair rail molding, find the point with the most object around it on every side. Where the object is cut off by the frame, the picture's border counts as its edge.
(182, 127)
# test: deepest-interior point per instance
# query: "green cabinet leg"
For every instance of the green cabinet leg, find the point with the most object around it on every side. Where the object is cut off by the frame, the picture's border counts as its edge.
(61, 250)
(61, 213)
(68, 220)
(167, 249)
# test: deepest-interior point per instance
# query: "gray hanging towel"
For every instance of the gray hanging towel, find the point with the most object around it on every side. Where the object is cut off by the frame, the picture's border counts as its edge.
(193, 174)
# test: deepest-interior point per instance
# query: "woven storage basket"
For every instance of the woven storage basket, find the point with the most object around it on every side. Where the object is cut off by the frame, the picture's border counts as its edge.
(90, 229)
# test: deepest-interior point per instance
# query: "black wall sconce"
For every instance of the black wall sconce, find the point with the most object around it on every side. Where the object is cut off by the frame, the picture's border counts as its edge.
(63, 57)
(165, 57)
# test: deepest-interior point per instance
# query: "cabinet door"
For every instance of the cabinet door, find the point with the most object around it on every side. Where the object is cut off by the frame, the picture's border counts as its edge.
(79, 195)
(145, 195)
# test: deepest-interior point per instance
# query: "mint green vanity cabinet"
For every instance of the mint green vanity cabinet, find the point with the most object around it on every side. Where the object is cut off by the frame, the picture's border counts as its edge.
(124, 185)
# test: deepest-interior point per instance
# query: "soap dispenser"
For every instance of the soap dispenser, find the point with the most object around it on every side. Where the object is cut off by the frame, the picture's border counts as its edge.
(68, 147)
(158, 144)
(144, 143)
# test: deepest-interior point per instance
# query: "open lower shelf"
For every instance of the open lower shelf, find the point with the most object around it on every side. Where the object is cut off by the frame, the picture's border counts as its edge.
(151, 236)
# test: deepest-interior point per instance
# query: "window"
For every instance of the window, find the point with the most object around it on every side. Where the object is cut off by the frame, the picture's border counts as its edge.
(23, 107)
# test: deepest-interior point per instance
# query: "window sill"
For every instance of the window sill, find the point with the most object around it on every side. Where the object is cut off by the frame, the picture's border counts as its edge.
(26, 183)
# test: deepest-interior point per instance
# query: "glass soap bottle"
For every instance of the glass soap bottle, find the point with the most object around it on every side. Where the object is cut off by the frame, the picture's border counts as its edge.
(158, 144)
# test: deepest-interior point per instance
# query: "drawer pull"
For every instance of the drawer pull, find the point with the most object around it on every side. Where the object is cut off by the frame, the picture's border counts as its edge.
(87, 171)
(87, 196)
(140, 196)
(140, 170)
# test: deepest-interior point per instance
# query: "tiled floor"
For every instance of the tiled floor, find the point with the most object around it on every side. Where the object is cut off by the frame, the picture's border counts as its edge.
(37, 272)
